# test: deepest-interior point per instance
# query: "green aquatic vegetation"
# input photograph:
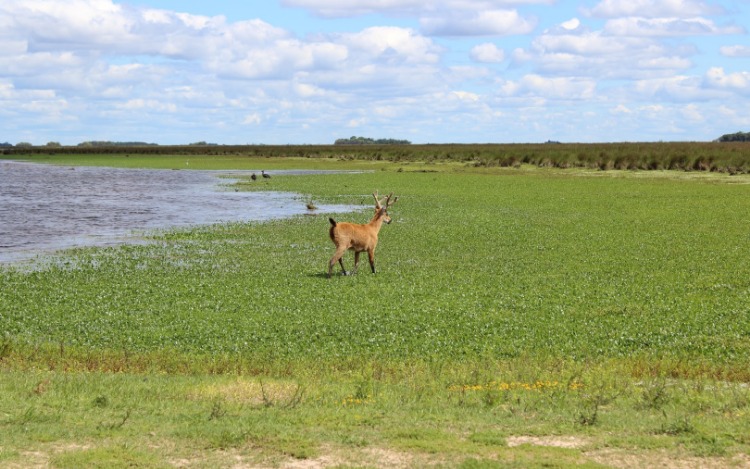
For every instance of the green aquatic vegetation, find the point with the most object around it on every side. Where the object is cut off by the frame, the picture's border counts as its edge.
(531, 264)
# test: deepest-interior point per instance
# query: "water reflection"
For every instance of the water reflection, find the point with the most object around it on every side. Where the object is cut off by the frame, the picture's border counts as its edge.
(45, 208)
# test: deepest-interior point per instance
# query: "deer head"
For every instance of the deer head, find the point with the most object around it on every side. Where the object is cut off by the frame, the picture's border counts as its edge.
(381, 210)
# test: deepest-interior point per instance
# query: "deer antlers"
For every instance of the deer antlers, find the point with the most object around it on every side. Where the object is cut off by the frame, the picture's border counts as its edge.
(387, 200)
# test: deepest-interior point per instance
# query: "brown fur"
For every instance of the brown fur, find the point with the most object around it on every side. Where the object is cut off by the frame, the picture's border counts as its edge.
(357, 237)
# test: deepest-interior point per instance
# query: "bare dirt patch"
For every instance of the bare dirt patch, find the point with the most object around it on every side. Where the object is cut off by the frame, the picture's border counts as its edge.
(369, 457)
(664, 459)
(40, 458)
(572, 442)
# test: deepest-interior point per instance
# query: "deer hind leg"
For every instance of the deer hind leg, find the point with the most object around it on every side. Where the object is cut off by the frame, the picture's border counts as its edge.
(356, 261)
(337, 257)
(341, 262)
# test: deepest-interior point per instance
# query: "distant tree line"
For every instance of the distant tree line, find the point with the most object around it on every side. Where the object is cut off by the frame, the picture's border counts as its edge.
(721, 157)
(370, 141)
(98, 143)
(735, 137)
(101, 143)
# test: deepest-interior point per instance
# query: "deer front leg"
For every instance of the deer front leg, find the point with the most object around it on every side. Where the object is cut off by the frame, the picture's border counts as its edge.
(371, 256)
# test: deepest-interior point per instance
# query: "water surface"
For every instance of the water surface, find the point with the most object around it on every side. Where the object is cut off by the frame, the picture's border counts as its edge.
(44, 208)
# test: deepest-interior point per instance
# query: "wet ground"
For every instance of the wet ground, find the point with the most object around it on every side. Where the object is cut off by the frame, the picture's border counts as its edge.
(44, 208)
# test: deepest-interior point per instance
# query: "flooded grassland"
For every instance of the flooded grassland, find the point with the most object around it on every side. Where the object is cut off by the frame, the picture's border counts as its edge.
(45, 208)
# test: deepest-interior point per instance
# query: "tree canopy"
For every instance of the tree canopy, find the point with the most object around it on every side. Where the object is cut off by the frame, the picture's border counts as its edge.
(735, 137)
(371, 141)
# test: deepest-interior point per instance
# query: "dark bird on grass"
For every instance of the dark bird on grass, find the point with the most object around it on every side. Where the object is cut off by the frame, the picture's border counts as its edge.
(253, 177)
(311, 206)
(263, 173)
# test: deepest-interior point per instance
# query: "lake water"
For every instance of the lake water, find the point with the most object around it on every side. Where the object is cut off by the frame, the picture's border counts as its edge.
(44, 208)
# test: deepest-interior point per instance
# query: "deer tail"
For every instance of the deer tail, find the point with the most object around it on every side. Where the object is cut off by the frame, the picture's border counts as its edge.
(333, 222)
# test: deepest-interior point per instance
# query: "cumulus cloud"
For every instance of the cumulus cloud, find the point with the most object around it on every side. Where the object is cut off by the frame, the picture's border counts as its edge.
(481, 23)
(634, 26)
(108, 61)
(550, 87)
(440, 18)
(487, 53)
(678, 89)
(693, 113)
(572, 48)
(416, 8)
(106, 64)
(735, 51)
(252, 119)
(391, 43)
(717, 78)
(653, 9)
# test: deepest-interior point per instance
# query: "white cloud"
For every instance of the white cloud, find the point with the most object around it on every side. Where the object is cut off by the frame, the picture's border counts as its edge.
(359, 122)
(716, 78)
(277, 60)
(478, 23)
(346, 8)
(735, 51)
(564, 88)
(141, 104)
(571, 25)
(487, 53)
(391, 44)
(680, 89)
(417, 8)
(622, 109)
(159, 75)
(653, 8)
(573, 49)
(252, 119)
(635, 26)
(466, 96)
(693, 113)
(590, 44)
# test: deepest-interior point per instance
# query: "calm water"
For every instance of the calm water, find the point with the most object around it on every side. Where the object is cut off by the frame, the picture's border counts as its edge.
(46, 208)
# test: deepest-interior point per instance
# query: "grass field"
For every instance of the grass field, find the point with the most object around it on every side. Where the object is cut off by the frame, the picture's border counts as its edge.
(520, 316)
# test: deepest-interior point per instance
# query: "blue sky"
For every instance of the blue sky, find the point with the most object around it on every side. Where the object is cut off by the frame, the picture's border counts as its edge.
(312, 71)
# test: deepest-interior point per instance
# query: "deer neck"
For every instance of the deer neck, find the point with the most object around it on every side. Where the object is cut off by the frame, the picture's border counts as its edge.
(377, 220)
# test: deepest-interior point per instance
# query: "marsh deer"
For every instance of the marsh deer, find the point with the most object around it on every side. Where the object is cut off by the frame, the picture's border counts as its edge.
(359, 238)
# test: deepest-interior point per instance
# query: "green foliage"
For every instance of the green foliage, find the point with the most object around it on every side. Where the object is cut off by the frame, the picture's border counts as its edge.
(99, 143)
(507, 302)
(735, 137)
(371, 141)
(473, 265)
